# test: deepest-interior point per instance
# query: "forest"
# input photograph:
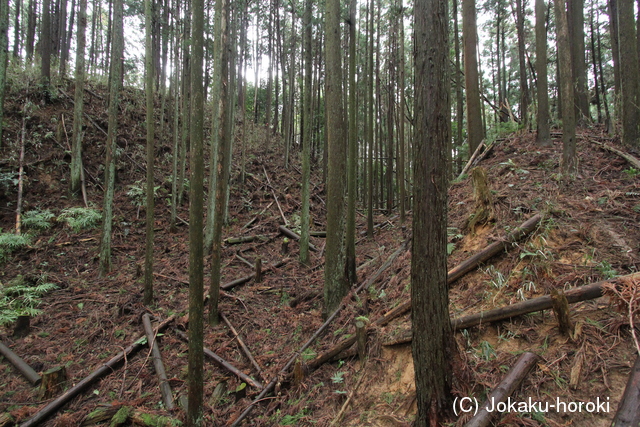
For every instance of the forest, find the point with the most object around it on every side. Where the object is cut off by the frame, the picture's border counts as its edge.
(278, 213)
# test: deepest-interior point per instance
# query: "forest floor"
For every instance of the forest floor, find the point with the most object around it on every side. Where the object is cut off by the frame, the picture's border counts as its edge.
(590, 231)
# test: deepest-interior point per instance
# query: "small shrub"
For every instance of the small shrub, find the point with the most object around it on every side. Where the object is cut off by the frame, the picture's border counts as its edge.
(37, 219)
(80, 218)
(10, 242)
(20, 298)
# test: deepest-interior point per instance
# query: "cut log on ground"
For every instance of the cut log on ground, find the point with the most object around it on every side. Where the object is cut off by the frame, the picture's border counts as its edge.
(20, 365)
(284, 230)
(242, 345)
(224, 364)
(628, 413)
(493, 249)
(505, 389)
(245, 239)
(163, 381)
(103, 370)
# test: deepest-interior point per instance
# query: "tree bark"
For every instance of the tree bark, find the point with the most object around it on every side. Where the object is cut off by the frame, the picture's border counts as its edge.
(335, 280)
(76, 153)
(149, 79)
(475, 133)
(432, 354)
(628, 73)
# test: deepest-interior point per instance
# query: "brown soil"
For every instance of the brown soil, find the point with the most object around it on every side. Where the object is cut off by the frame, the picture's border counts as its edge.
(590, 229)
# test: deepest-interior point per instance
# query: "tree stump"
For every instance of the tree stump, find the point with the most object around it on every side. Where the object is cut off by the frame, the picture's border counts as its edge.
(561, 310)
(52, 382)
(22, 327)
(483, 211)
(258, 277)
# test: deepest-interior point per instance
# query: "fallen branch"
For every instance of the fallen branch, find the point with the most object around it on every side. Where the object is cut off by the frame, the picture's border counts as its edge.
(628, 413)
(103, 370)
(284, 230)
(628, 157)
(20, 365)
(245, 239)
(165, 388)
(255, 218)
(514, 378)
(245, 279)
(493, 249)
(223, 363)
(471, 159)
(243, 346)
(284, 218)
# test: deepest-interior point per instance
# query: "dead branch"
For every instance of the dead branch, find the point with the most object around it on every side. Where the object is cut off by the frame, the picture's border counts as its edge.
(245, 279)
(275, 197)
(628, 157)
(505, 389)
(165, 388)
(628, 413)
(255, 218)
(224, 364)
(284, 230)
(103, 370)
(471, 159)
(20, 365)
(243, 346)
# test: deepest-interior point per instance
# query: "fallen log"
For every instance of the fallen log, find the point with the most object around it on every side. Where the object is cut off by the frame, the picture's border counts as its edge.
(163, 381)
(505, 389)
(628, 157)
(628, 413)
(255, 218)
(224, 364)
(245, 239)
(471, 159)
(245, 279)
(20, 365)
(284, 230)
(103, 370)
(493, 249)
(583, 293)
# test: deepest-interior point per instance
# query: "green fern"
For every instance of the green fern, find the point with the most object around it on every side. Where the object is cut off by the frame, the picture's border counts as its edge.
(20, 298)
(138, 193)
(80, 218)
(37, 219)
(10, 242)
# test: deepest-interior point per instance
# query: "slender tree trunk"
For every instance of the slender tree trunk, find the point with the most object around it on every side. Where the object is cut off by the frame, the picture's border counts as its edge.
(31, 29)
(16, 32)
(112, 134)
(353, 152)
(569, 165)
(628, 73)
(543, 136)
(369, 119)
(607, 120)
(45, 44)
(222, 32)
(459, 86)
(594, 61)
(575, 16)
(401, 135)
(429, 290)
(524, 87)
(335, 280)
(474, 113)
(196, 196)
(306, 135)
(4, 42)
(615, 45)
(76, 154)
(149, 79)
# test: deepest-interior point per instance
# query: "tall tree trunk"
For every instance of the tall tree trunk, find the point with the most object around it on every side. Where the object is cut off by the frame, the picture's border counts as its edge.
(543, 136)
(4, 42)
(569, 161)
(196, 256)
(628, 73)
(335, 280)
(369, 120)
(45, 44)
(458, 80)
(115, 80)
(31, 29)
(429, 291)
(401, 135)
(474, 113)
(149, 78)
(594, 61)
(16, 31)
(575, 16)
(607, 120)
(353, 152)
(76, 153)
(62, 42)
(524, 87)
(306, 134)
(612, 6)
(224, 140)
